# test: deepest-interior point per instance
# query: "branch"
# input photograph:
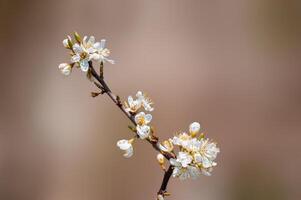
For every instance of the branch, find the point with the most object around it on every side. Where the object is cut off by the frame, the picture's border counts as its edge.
(154, 141)
(167, 175)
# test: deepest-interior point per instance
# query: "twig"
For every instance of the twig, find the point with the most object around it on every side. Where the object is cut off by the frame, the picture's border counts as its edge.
(165, 180)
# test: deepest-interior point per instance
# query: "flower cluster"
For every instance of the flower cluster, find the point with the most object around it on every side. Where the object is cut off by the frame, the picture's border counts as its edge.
(143, 129)
(196, 154)
(83, 51)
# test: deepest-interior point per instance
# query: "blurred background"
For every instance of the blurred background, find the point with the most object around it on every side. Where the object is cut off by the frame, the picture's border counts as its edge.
(232, 65)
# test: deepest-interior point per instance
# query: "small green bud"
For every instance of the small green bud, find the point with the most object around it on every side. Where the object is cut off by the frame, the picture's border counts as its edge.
(77, 37)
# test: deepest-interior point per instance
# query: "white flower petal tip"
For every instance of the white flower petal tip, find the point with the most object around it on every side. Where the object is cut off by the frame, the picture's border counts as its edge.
(65, 68)
(126, 145)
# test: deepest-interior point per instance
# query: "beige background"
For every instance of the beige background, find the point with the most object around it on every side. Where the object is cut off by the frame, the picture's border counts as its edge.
(232, 65)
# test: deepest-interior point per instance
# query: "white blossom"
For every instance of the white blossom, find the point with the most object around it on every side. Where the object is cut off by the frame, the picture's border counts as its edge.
(126, 146)
(145, 101)
(65, 68)
(143, 131)
(97, 50)
(81, 56)
(133, 105)
(86, 50)
(142, 118)
(184, 172)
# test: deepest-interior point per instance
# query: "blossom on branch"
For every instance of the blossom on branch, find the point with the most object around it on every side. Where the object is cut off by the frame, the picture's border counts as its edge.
(142, 120)
(190, 154)
(133, 105)
(196, 155)
(145, 101)
(142, 101)
(83, 51)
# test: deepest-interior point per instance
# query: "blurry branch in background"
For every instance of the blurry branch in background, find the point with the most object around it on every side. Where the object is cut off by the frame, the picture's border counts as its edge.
(195, 154)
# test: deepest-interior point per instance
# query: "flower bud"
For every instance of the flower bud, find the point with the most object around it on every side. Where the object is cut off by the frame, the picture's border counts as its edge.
(160, 197)
(65, 43)
(95, 94)
(194, 128)
(65, 68)
(167, 146)
(77, 37)
(160, 159)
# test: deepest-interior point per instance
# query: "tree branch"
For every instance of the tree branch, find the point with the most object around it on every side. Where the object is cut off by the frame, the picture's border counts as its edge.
(154, 141)
(165, 181)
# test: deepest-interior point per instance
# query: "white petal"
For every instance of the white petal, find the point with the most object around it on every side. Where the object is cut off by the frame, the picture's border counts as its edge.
(91, 41)
(75, 58)
(85, 40)
(130, 100)
(110, 61)
(139, 94)
(206, 172)
(65, 69)
(84, 65)
(206, 162)
(77, 49)
(194, 172)
(94, 56)
(174, 162)
(97, 45)
(91, 50)
(197, 158)
(124, 144)
(129, 152)
(148, 118)
(65, 43)
(102, 43)
(148, 107)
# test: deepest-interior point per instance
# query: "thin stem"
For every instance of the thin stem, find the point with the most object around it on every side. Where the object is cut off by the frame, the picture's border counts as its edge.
(107, 90)
(165, 180)
(154, 141)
